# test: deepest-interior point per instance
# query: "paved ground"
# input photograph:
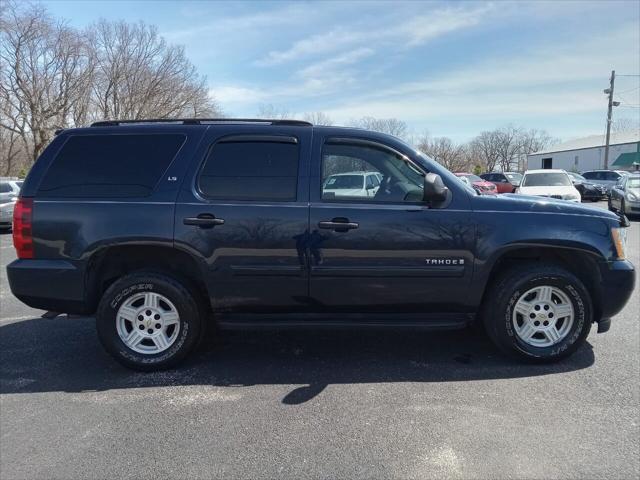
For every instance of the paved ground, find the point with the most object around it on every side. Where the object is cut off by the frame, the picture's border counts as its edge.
(312, 405)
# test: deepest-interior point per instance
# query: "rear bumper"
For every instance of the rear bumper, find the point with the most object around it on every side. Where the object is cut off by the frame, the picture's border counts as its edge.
(55, 285)
(618, 280)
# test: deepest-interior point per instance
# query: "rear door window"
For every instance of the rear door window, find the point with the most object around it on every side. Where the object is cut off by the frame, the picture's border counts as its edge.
(263, 169)
(110, 165)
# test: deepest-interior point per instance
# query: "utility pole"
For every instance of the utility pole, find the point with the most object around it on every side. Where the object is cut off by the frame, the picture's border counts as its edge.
(609, 112)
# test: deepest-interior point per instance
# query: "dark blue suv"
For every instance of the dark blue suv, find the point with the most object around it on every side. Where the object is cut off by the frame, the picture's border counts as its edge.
(161, 228)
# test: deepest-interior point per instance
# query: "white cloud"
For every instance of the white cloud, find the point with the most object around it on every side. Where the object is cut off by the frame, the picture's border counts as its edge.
(412, 32)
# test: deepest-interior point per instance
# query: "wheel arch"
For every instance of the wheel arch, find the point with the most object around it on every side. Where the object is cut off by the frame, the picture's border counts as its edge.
(582, 262)
(110, 263)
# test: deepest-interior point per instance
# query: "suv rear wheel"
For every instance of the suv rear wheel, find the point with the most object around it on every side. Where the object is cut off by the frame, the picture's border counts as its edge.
(539, 313)
(149, 321)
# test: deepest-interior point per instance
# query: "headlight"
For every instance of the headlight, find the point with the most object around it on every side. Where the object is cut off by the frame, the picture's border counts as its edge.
(619, 237)
(631, 197)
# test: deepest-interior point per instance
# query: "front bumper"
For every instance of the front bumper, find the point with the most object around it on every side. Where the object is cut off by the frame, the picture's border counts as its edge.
(632, 208)
(618, 280)
(55, 285)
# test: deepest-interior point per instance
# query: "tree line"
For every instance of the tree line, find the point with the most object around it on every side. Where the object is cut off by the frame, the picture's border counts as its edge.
(503, 148)
(54, 76)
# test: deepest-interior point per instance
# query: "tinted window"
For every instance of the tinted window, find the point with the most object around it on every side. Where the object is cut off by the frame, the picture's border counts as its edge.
(19, 184)
(590, 175)
(5, 187)
(251, 170)
(110, 165)
(612, 176)
(400, 180)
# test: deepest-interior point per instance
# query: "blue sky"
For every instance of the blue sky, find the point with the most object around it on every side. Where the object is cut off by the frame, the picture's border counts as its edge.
(449, 68)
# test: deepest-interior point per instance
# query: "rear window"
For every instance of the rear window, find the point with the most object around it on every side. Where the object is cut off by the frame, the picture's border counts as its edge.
(5, 187)
(110, 165)
(251, 170)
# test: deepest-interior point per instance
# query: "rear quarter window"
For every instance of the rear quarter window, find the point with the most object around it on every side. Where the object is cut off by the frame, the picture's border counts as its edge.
(111, 166)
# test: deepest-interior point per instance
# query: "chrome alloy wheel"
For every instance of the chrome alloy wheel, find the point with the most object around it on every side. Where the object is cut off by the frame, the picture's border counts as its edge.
(148, 323)
(543, 316)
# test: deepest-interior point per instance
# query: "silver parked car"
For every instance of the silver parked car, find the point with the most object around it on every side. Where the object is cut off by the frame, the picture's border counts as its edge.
(9, 191)
(607, 178)
(625, 195)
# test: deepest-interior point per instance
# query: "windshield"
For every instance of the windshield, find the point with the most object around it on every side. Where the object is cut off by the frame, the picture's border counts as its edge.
(344, 182)
(551, 179)
(514, 178)
(633, 182)
(473, 178)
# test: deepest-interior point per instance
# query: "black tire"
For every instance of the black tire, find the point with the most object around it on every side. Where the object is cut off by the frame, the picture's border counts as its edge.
(191, 320)
(510, 286)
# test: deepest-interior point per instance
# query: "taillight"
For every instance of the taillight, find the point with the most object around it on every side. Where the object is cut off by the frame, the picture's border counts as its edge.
(22, 234)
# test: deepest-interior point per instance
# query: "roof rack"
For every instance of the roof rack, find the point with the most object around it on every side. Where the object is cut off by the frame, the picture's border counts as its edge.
(202, 121)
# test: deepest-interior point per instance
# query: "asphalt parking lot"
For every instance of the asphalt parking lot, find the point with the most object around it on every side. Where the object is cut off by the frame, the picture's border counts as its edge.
(339, 404)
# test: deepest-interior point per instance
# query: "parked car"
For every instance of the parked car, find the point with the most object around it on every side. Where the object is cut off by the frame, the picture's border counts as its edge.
(352, 184)
(625, 195)
(606, 178)
(9, 191)
(160, 228)
(478, 184)
(588, 190)
(549, 183)
(505, 182)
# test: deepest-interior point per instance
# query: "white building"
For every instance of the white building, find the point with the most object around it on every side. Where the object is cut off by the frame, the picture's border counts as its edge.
(588, 153)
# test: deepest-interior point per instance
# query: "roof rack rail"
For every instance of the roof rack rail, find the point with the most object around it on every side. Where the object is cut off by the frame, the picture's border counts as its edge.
(202, 121)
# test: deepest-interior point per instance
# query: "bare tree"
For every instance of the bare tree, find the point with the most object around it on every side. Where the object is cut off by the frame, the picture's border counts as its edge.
(391, 126)
(46, 69)
(139, 76)
(507, 147)
(484, 150)
(318, 118)
(445, 152)
(270, 111)
(625, 124)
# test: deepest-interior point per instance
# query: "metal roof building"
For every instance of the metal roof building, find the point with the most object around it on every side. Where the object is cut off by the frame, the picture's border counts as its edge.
(587, 153)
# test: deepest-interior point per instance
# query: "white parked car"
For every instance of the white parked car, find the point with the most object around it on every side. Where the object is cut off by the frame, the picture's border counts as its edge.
(549, 183)
(9, 191)
(352, 184)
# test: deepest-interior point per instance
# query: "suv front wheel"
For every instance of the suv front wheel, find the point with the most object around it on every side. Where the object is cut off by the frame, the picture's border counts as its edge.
(540, 313)
(148, 321)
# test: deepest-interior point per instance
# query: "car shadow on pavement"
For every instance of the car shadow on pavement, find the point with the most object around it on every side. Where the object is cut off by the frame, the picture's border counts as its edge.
(63, 354)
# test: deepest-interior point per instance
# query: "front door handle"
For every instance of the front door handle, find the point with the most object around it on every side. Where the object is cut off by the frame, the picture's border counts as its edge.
(338, 224)
(204, 220)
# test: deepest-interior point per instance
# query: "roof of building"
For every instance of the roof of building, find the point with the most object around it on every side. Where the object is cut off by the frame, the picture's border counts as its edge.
(592, 141)
(627, 159)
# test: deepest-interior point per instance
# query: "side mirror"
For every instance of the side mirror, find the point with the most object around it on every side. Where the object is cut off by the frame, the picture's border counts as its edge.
(435, 190)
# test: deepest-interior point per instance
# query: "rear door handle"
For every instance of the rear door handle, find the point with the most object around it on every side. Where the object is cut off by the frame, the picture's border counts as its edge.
(204, 220)
(338, 224)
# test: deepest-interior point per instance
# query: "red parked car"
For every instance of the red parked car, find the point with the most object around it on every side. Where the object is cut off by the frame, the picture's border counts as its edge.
(479, 185)
(506, 182)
